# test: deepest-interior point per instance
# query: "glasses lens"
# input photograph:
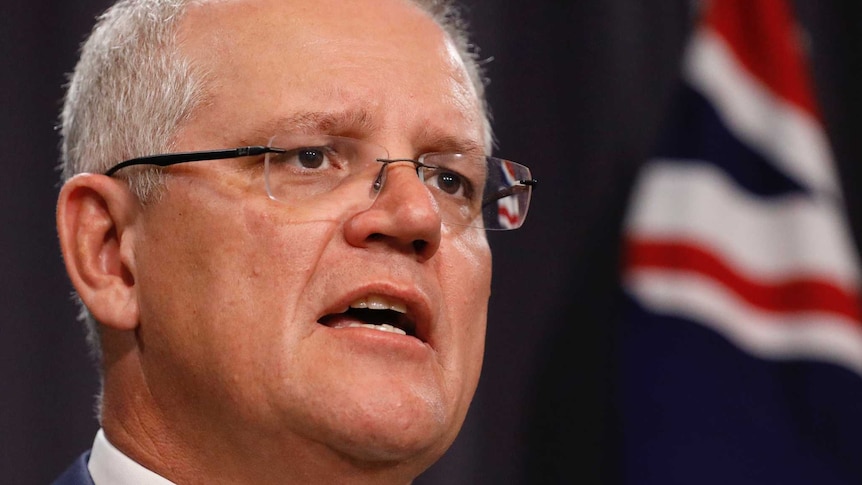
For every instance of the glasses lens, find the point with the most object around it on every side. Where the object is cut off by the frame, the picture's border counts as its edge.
(484, 192)
(507, 195)
(316, 172)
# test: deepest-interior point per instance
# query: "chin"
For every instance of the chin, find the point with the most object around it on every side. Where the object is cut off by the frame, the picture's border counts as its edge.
(389, 426)
(387, 448)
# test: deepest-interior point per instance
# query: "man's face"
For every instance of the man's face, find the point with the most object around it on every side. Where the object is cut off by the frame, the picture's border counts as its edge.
(232, 290)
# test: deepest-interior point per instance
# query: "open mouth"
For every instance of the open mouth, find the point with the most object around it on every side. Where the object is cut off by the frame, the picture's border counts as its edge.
(373, 312)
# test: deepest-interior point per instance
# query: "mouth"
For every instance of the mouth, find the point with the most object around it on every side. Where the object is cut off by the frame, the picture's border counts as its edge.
(374, 312)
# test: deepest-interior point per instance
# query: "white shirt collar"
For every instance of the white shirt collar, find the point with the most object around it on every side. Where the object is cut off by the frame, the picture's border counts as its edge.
(110, 466)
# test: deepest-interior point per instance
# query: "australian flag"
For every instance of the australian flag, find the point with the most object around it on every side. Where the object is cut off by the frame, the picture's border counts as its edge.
(742, 347)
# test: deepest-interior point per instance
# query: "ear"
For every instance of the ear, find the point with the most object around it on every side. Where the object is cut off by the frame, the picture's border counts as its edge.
(95, 222)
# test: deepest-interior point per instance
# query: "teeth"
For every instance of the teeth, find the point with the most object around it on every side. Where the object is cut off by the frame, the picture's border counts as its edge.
(377, 302)
(383, 328)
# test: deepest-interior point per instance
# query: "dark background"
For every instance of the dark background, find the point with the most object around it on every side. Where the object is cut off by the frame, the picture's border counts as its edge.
(578, 91)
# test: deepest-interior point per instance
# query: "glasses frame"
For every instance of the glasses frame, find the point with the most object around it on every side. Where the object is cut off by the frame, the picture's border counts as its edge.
(168, 159)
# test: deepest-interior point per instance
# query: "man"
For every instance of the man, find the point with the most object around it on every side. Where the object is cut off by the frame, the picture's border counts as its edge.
(289, 303)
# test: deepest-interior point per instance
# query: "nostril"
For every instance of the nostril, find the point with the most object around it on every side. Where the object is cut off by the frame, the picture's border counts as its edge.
(419, 245)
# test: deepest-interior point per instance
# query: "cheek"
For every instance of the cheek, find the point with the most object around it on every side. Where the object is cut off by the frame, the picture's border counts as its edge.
(466, 282)
(465, 270)
(222, 284)
(278, 262)
(285, 255)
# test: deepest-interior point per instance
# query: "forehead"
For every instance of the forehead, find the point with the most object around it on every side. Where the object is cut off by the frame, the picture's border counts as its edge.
(271, 60)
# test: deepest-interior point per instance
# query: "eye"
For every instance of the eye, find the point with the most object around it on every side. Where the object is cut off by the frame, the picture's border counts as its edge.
(309, 158)
(456, 174)
(449, 182)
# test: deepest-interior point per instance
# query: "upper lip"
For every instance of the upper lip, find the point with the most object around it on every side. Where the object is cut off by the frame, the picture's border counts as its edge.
(418, 308)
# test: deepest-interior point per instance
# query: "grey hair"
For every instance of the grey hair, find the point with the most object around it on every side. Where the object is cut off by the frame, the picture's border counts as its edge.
(132, 89)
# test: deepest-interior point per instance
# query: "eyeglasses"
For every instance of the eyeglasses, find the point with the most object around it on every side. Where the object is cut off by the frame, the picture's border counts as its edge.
(469, 190)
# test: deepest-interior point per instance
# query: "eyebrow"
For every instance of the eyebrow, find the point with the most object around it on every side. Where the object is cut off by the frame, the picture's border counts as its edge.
(355, 122)
(442, 142)
(358, 123)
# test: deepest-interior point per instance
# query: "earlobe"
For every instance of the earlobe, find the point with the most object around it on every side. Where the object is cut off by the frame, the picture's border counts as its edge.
(95, 223)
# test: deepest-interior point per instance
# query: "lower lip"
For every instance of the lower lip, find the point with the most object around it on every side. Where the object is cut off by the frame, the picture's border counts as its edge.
(377, 341)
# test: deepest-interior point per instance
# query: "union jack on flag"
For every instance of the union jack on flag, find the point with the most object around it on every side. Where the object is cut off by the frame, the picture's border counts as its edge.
(742, 349)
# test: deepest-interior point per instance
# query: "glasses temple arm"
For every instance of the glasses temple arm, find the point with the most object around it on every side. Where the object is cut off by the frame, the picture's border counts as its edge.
(515, 189)
(174, 158)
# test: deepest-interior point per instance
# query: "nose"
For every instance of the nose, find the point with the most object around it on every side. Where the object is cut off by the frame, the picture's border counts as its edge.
(404, 216)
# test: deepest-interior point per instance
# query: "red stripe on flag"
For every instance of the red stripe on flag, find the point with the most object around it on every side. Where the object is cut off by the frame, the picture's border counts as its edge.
(790, 295)
(764, 38)
(504, 212)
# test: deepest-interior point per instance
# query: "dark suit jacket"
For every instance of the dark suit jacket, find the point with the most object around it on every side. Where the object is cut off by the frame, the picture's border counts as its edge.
(77, 474)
